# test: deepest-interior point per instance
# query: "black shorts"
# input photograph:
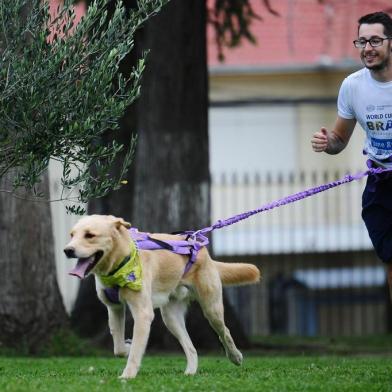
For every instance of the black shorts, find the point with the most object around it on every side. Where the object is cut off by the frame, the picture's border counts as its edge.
(377, 213)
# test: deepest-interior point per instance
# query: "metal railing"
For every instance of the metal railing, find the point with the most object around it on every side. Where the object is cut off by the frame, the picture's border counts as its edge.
(328, 221)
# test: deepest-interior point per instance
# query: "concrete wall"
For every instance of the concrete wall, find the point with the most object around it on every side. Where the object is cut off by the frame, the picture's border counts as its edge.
(312, 95)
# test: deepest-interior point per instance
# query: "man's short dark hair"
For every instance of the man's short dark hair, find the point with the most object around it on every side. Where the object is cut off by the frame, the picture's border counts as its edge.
(378, 17)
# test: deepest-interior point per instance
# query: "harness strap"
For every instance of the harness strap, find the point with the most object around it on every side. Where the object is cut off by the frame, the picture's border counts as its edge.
(162, 244)
(125, 261)
(112, 294)
(190, 246)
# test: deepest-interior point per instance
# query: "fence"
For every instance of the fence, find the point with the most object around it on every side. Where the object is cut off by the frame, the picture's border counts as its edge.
(320, 274)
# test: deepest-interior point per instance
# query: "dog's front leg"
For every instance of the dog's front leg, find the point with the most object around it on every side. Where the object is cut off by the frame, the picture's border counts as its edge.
(116, 321)
(142, 314)
(116, 315)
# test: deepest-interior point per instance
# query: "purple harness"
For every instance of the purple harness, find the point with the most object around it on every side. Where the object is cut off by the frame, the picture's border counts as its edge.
(188, 247)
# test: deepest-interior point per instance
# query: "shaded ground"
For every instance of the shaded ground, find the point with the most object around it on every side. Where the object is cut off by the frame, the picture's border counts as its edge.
(67, 343)
(380, 344)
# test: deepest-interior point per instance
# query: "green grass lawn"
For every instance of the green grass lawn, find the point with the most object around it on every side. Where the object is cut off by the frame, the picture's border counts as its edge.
(216, 373)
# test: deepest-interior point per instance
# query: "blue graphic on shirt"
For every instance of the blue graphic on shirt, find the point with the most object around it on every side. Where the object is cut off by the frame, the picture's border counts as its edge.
(383, 144)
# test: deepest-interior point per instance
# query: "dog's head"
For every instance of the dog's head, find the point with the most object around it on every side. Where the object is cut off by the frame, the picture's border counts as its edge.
(97, 241)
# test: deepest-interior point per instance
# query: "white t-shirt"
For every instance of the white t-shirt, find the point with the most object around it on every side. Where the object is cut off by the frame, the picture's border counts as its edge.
(370, 103)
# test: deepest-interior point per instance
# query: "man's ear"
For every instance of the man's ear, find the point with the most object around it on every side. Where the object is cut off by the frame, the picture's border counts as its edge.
(118, 222)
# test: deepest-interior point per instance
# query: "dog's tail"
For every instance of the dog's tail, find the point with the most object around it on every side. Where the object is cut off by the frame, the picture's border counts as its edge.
(237, 273)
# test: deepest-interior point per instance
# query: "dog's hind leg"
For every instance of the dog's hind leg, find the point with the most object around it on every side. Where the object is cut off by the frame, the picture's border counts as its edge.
(173, 315)
(209, 292)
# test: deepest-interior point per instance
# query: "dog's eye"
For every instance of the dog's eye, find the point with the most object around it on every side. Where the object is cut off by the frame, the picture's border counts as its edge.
(89, 235)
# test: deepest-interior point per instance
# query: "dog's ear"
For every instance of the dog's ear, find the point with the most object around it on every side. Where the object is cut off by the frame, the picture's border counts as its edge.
(118, 222)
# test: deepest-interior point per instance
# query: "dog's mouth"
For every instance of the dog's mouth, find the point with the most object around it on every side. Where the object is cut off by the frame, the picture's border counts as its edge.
(85, 265)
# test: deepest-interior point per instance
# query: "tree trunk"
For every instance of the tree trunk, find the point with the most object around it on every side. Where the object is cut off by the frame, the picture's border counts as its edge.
(31, 307)
(169, 187)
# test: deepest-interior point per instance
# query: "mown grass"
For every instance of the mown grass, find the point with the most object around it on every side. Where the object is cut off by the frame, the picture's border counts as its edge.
(277, 363)
(165, 373)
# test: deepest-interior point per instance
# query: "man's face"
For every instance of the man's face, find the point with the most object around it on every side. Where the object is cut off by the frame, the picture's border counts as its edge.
(377, 58)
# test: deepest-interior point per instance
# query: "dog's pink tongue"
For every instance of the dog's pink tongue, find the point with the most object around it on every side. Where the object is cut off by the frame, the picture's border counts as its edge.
(80, 268)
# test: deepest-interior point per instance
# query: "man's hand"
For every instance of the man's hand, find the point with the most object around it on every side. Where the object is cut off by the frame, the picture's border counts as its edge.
(320, 140)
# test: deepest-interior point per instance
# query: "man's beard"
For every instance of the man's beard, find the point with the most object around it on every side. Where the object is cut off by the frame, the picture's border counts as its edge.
(378, 67)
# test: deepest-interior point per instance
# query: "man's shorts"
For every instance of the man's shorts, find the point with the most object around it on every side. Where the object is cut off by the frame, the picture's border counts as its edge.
(377, 213)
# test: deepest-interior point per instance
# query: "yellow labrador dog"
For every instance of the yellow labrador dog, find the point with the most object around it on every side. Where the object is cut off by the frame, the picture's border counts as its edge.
(154, 278)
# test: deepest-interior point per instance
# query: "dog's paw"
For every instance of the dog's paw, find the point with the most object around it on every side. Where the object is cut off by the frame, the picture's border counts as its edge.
(235, 356)
(120, 353)
(128, 374)
(190, 372)
(123, 351)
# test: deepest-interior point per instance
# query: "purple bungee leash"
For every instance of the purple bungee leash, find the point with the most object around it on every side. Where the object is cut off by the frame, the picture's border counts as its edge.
(197, 239)
(289, 199)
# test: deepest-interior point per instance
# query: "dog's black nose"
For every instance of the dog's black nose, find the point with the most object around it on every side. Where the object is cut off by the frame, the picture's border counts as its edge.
(69, 252)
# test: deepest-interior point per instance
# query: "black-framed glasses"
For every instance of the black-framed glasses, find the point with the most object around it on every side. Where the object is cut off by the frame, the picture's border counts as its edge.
(374, 42)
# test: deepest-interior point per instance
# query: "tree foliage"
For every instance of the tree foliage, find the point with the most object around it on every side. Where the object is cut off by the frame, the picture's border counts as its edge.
(61, 91)
(232, 22)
